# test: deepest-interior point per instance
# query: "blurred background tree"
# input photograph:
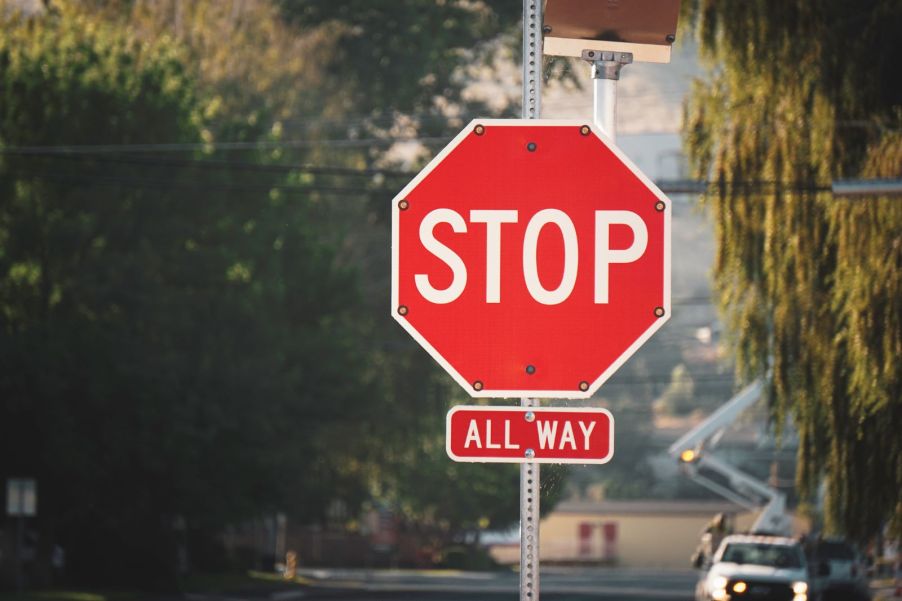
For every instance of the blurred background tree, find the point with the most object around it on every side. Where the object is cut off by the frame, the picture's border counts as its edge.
(193, 269)
(800, 94)
(141, 384)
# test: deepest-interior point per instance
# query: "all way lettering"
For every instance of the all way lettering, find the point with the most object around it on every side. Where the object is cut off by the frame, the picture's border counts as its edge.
(518, 434)
(474, 437)
(548, 434)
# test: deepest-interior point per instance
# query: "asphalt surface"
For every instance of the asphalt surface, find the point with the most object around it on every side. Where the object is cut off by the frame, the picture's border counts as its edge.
(556, 584)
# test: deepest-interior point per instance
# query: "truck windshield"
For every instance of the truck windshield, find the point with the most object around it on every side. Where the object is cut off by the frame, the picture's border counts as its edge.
(776, 556)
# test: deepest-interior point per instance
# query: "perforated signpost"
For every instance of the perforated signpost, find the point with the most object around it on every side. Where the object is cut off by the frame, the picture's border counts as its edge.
(531, 259)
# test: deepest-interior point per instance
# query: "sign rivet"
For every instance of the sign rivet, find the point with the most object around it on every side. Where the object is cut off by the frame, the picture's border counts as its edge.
(529, 454)
(403, 204)
(479, 130)
(477, 385)
(402, 310)
(660, 206)
(584, 386)
(530, 369)
(584, 130)
(591, 53)
(659, 311)
(531, 147)
(529, 416)
(546, 29)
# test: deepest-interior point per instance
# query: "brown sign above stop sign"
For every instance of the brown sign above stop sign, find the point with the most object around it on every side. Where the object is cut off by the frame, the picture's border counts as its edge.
(531, 259)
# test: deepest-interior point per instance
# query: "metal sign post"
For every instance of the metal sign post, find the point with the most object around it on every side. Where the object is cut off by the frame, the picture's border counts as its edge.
(476, 212)
(530, 483)
(529, 525)
(532, 59)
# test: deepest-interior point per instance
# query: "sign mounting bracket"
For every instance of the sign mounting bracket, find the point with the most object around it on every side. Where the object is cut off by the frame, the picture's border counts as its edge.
(606, 66)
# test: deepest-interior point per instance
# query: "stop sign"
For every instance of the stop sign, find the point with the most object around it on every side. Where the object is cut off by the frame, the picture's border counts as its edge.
(531, 258)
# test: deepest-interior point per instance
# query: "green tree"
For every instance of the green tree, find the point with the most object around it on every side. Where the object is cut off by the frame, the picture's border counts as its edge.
(193, 323)
(400, 57)
(803, 93)
(175, 344)
(403, 63)
(679, 397)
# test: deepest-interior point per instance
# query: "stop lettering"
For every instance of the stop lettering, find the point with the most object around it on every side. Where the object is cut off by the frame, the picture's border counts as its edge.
(604, 255)
(530, 258)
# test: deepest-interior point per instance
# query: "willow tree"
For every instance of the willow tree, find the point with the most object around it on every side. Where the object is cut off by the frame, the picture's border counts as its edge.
(801, 93)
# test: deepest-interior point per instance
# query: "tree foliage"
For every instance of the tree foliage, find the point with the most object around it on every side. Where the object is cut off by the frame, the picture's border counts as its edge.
(404, 55)
(803, 93)
(169, 349)
(194, 275)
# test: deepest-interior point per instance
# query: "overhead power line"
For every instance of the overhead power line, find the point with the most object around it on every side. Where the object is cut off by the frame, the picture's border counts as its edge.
(211, 146)
(206, 186)
(206, 164)
(110, 154)
(872, 187)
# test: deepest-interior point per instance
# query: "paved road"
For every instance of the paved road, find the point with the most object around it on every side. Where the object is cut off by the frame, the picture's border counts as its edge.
(557, 584)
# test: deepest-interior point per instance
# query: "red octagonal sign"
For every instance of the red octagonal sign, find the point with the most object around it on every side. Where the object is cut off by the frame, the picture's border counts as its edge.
(531, 259)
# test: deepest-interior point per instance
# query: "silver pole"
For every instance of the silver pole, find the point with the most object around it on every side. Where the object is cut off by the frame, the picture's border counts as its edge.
(529, 525)
(529, 472)
(867, 187)
(532, 59)
(605, 107)
(605, 74)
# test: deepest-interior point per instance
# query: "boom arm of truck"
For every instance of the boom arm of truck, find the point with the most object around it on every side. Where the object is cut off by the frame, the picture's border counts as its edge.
(695, 451)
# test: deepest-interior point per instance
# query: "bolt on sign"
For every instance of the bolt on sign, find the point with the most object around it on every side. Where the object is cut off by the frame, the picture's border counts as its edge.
(519, 434)
(531, 258)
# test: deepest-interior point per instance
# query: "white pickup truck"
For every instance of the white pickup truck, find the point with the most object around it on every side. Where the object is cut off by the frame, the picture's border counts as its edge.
(756, 568)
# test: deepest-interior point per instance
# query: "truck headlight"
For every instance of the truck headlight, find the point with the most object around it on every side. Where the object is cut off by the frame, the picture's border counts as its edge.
(718, 588)
(800, 590)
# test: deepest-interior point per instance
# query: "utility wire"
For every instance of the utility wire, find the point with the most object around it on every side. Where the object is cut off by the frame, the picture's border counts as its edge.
(130, 182)
(210, 146)
(665, 186)
(89, 153)
(207, 164)
(107, 154)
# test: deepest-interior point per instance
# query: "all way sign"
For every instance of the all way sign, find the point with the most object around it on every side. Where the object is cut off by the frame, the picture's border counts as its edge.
(520, 434)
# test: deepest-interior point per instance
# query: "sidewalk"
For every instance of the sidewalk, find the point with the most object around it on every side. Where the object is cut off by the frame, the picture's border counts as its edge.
(886, 590)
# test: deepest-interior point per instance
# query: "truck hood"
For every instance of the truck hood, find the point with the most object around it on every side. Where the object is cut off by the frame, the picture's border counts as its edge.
(759, 573)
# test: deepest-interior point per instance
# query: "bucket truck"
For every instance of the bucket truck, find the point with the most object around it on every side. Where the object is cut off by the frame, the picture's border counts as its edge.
(695, 450)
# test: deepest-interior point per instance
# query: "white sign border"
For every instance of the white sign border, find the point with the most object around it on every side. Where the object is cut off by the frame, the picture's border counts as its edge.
(537, 410)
